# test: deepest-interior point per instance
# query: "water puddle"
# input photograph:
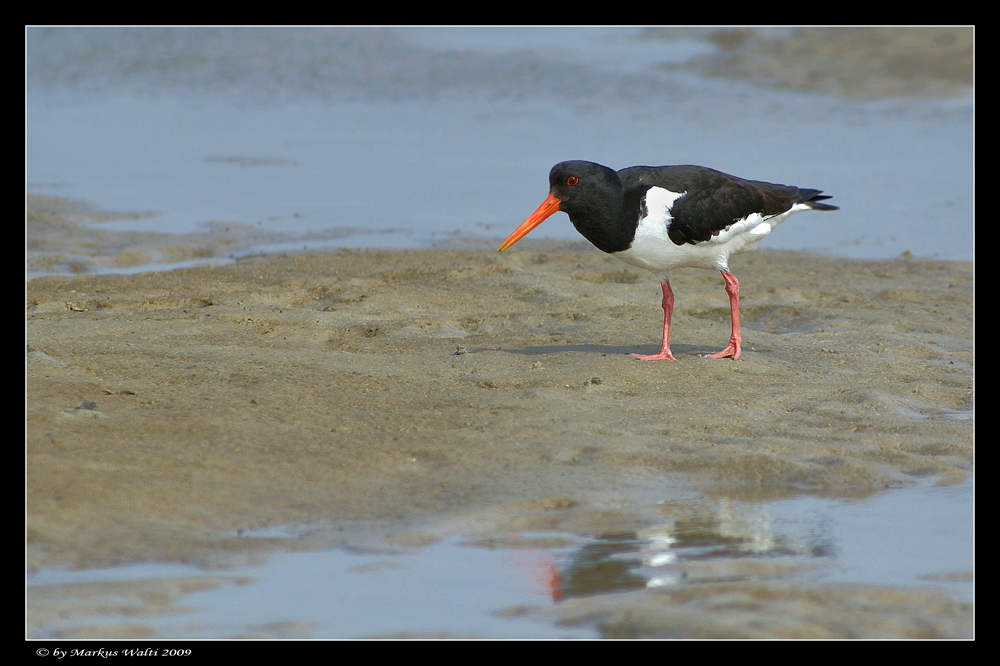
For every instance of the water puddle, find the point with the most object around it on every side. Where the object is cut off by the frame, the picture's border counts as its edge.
(486, 587)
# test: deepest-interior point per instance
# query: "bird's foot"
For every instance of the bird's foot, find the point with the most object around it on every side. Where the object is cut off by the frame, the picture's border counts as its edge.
(731, 351)
(662, 355)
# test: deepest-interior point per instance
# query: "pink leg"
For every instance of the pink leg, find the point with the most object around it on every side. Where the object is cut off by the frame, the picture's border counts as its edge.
(668, 309)
(735, 340)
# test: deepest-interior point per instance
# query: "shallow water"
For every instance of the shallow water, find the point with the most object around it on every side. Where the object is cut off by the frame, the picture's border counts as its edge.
(468, 587)
(422, 137)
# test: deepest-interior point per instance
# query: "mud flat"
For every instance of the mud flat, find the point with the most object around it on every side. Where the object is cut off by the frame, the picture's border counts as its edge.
(168, 412)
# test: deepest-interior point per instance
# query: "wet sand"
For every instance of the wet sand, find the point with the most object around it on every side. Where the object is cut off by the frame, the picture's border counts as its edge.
(856, 62)
(472, 391)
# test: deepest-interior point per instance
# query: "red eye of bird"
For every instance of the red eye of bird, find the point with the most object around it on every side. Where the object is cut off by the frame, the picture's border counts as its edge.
(572, 180)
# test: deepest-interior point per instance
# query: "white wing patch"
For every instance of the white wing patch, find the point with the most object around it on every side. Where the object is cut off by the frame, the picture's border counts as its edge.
(754, 226)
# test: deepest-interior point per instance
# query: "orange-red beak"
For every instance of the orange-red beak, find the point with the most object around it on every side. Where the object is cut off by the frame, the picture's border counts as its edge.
(549, 206)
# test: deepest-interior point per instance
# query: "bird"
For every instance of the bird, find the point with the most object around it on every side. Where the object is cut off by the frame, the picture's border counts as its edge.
(666, 217)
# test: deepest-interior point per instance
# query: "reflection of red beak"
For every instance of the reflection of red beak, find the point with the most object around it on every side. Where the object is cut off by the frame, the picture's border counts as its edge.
(549, 206)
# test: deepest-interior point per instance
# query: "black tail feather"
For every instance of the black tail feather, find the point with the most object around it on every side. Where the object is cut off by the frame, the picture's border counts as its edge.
(813, 202)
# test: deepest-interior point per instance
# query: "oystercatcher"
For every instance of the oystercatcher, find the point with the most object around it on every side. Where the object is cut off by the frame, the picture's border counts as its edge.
(666, 217)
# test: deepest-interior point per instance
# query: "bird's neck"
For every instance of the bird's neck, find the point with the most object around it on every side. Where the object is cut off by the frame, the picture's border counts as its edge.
(609, 224)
